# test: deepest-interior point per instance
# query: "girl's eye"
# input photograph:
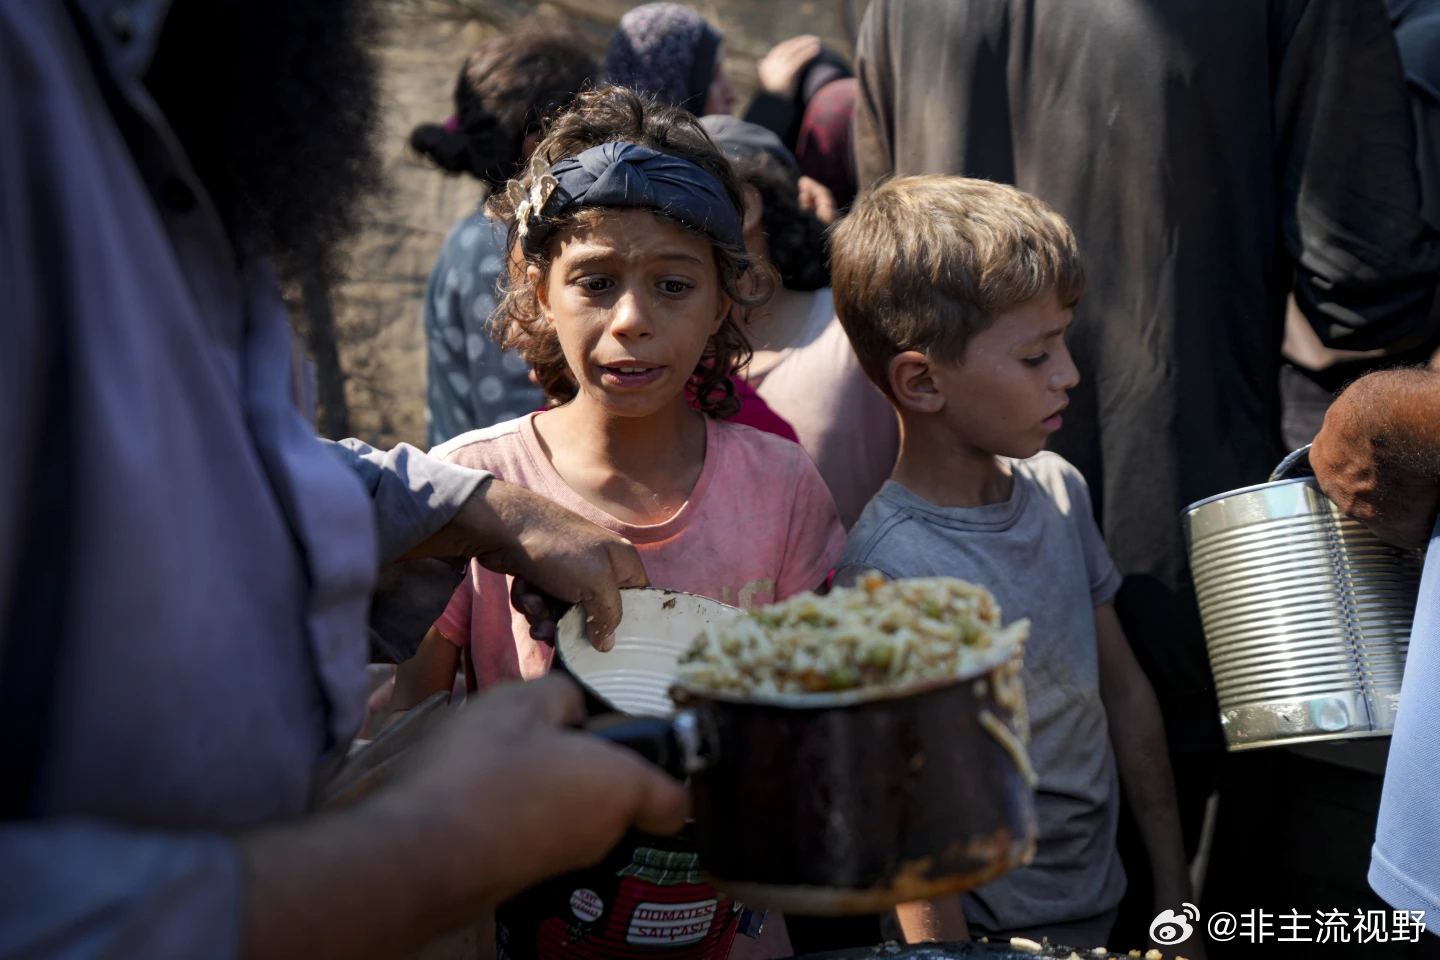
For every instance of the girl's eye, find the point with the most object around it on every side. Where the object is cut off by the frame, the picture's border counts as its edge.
(1036, 361)
(595, 284)
(674, 287)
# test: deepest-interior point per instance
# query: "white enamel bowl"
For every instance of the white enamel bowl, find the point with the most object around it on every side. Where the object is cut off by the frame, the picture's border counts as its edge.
(657, 627)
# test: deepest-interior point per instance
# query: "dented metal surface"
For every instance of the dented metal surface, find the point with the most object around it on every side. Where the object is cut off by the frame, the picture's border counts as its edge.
(1306, 613)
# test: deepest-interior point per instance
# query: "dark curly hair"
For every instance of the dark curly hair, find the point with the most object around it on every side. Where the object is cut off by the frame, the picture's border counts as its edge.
(506, 89)
(795, 237)
(619, 114)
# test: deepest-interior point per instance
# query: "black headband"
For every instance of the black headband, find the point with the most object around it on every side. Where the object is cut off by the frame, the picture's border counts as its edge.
(629, 175)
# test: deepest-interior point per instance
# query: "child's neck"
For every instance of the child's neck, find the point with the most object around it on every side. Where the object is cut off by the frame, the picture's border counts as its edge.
(639, 470)
(947, 472)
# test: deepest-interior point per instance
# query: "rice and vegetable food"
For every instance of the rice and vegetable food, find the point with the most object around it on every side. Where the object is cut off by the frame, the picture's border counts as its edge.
(876, 633)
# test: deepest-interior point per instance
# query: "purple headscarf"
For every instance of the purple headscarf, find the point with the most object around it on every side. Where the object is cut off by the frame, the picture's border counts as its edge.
(667, 51)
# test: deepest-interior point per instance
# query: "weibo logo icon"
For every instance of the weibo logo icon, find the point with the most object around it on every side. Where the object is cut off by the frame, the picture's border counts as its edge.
(1171, 927)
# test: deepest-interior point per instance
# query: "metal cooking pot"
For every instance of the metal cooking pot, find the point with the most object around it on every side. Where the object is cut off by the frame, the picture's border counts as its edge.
(844, 803)
(1306, 612)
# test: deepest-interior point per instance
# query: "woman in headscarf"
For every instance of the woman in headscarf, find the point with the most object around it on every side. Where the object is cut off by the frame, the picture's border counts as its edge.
(673, 54)
(509, 84)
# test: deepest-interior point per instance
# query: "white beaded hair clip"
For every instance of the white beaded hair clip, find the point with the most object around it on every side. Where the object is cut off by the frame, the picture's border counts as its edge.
(532, 205)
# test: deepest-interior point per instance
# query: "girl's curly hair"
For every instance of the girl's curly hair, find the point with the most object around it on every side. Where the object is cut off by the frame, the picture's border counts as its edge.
(618, 114)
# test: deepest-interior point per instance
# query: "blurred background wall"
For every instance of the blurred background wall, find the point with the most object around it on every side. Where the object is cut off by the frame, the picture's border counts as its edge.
(375, 308)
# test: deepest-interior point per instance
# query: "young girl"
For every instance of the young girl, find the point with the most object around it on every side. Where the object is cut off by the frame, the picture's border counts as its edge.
(630, 225)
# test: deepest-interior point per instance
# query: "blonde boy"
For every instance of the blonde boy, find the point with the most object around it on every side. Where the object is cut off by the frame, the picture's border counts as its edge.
(956, 295)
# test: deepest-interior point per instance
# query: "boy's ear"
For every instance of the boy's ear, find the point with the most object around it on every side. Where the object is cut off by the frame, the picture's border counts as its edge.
(542, 294)
(912, 383)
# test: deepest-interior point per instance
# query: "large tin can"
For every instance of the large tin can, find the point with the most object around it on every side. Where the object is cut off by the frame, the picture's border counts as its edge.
(1306, 612)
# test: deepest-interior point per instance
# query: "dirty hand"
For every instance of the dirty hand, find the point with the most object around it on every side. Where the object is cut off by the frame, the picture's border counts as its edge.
(780, 69)
(1378, 454)
(511, 530)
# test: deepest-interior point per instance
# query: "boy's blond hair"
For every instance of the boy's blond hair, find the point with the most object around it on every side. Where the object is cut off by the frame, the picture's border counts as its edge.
(925, 263)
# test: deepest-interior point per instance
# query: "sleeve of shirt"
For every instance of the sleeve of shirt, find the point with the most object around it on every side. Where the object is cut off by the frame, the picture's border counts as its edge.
(95, 891)
(815, 539)
(1103, 575)
(874, 124)
(414, 494)
(1350, 206)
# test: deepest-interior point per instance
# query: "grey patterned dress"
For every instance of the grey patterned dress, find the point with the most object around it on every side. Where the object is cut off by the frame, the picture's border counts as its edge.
(470, 382)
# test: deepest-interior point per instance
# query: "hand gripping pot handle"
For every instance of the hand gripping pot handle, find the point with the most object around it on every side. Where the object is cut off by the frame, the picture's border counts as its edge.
(1296, 464)
(673, 744)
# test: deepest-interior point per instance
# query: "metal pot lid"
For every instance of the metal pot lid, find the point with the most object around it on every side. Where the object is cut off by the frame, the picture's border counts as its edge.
(656, 627)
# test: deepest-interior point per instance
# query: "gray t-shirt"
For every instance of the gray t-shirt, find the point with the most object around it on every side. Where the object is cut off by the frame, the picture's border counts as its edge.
(1041, 554)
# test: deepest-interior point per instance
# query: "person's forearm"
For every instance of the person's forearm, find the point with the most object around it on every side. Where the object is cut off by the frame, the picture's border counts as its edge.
(509, 529)
(1303, 348)
(415, 496)
(1137, 734)
(430, 671)
(361, 882)
(942, 919)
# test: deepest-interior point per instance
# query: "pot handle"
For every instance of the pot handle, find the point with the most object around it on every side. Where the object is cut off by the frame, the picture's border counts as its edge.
(1296, 464)
(671, 743)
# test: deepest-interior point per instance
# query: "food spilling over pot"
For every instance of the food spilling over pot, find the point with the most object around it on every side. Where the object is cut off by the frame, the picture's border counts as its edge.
(852, 751)
(877, 633)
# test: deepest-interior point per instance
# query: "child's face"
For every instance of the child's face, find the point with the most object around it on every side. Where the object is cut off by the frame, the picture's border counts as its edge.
(634, 300)
(1004, 398)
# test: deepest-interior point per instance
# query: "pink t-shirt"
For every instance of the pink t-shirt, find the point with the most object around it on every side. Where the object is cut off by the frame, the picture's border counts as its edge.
(759, 526)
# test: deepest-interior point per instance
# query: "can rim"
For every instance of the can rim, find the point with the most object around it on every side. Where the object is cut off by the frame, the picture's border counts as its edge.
(1269, 485)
